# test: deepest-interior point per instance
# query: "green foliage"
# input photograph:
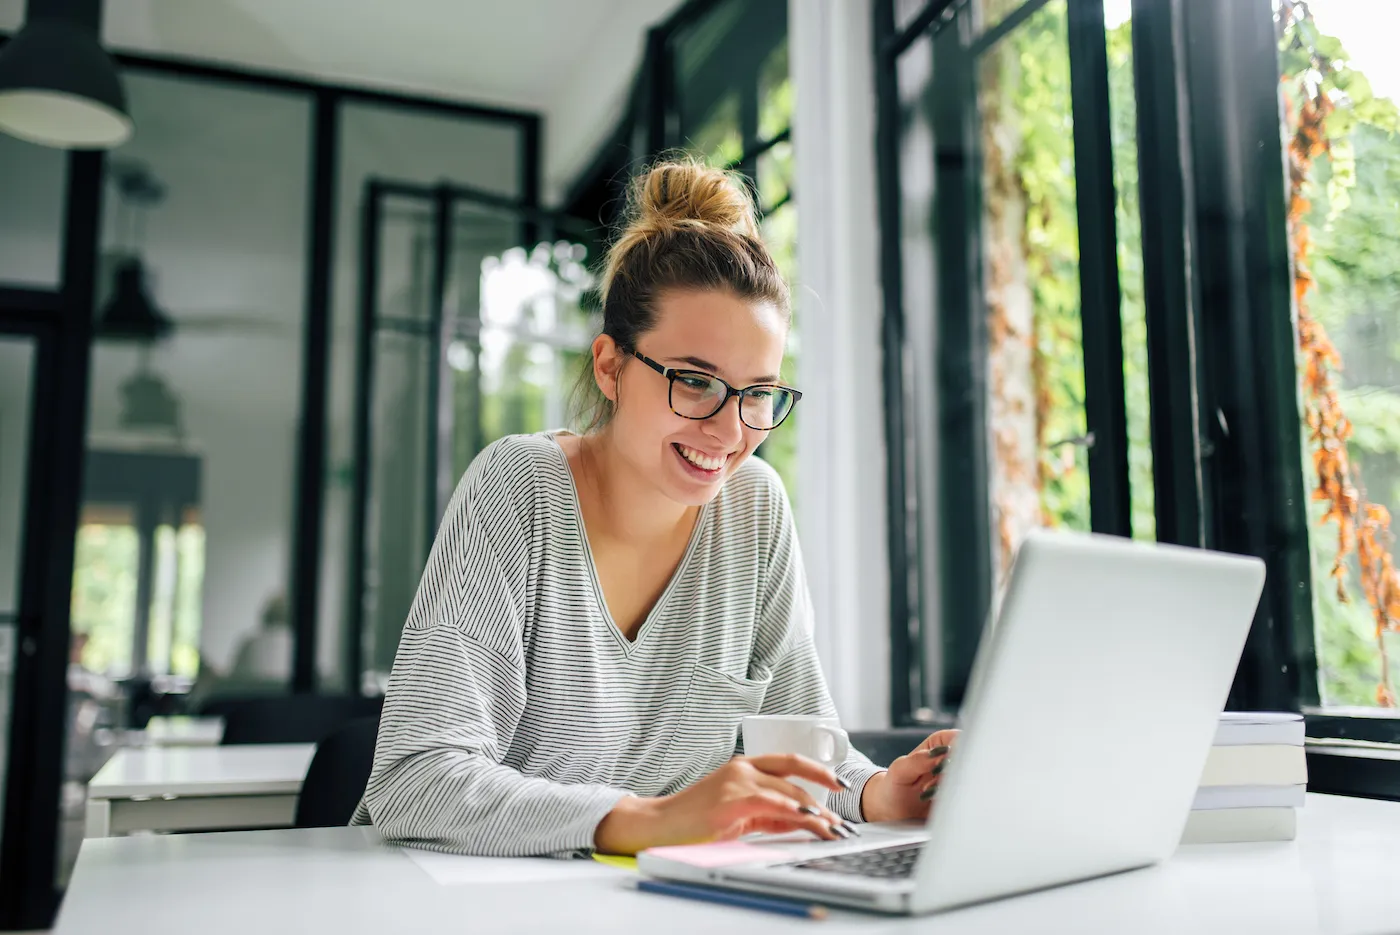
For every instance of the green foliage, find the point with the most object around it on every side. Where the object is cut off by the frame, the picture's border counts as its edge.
(1045, 167)
(1025, 89)
(104, 594)
(1123, 127)
(1354, 223)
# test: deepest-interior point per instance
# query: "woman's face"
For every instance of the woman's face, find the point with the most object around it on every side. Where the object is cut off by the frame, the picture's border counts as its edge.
(740, 341)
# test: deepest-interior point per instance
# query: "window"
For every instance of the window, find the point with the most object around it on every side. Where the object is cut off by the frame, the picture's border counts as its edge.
(17, 367)
(1236, 332)
(735, 101)
(185, 552)
(1341, 87)
(1025, 377)
(360, 620)
(1036, 423)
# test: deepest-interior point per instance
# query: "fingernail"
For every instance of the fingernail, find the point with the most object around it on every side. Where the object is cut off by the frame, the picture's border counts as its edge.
(840, 831)
(936, 770)
(810, 810)
(843, 783)
(851, 828)
(928, 793)
(938, 750)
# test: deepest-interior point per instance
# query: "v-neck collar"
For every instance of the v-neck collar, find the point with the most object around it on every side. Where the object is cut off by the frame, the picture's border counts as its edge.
(627, 646)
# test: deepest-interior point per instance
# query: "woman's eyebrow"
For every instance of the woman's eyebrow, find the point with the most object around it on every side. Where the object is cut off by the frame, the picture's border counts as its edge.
(700, 363)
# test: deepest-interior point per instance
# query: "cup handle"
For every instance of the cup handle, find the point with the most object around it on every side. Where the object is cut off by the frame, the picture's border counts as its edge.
(840, 742)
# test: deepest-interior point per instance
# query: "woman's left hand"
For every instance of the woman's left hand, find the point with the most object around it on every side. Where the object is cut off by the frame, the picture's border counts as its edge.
(907, 788)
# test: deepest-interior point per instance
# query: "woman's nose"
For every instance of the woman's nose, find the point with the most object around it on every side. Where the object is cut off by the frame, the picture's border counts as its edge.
(725, 426)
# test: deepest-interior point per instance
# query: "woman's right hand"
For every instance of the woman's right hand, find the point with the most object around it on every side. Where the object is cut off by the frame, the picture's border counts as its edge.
(745, 795)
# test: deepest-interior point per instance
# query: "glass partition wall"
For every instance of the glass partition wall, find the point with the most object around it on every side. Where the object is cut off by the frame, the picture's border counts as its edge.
(468, 332)
(209, 545)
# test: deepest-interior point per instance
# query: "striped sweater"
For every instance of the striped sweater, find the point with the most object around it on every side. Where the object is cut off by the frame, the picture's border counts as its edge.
(518, 714)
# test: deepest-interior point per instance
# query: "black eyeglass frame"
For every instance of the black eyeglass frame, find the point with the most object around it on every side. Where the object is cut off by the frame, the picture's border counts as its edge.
(670, 373)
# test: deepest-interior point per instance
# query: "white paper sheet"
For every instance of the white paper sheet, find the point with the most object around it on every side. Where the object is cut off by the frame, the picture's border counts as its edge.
(452, 870)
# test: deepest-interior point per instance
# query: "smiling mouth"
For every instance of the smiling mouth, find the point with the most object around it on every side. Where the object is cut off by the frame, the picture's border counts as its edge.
(699, 461)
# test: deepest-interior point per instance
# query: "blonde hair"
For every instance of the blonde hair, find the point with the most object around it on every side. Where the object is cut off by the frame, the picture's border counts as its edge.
(688, 226)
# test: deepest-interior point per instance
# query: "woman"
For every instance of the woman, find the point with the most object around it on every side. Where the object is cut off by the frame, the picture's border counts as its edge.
(599, 611)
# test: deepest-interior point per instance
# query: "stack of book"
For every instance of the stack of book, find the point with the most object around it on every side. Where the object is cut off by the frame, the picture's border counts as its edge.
(1254, 781)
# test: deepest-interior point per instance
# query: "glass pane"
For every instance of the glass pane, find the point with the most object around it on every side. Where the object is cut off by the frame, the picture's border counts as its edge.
(906, 11)
(720, 138)
(775, 94)
(990, 13)
(729, 64)
(398, 531)
(780, 448)
(413, 147)
(775, 173)
(32, 180)
(1038, 454)
(517, 373)
(1341, 90)
(923, 403)
(1122, 104)
(192, 436)
(16, 398)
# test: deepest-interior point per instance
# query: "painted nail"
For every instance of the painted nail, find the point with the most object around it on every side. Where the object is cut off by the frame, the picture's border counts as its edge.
(928, 793)
(936, 770)
(810, 810)
(843, 783)
(851, 828)
(938, 750)
(840, 831)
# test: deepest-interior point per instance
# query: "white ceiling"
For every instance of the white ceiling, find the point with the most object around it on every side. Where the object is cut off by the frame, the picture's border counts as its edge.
(570, 60)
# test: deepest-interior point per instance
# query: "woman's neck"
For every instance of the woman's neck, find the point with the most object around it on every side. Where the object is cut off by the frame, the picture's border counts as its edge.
(623, 506)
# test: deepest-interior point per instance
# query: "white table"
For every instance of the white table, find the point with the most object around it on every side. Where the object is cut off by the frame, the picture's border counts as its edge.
(179, 731)
(205, 788)
(1340, 876)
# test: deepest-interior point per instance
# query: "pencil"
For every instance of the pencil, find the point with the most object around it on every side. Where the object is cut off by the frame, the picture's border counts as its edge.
(787, 907)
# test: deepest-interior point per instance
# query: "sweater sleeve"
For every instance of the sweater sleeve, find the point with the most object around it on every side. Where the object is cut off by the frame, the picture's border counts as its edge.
(457, 693)
(785, 624)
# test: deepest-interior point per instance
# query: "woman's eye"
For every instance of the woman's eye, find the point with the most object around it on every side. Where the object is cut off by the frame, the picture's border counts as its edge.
(694, 383)
(761, 395)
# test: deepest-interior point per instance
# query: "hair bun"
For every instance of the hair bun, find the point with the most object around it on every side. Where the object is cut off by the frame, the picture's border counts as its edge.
(683, 193)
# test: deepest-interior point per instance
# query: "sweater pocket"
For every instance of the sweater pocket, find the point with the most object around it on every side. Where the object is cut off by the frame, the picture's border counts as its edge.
(707, 731)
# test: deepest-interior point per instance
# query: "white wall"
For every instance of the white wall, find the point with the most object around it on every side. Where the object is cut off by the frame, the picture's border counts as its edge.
(841, 471)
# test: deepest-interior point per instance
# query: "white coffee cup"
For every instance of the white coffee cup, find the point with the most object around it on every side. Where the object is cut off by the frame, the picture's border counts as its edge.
(817, 738)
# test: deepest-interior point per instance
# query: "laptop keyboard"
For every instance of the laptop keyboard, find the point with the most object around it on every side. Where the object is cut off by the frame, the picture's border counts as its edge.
(890, 863)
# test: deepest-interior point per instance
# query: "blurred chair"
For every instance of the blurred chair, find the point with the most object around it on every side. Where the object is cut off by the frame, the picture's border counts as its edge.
(289, 718)
(337, 776)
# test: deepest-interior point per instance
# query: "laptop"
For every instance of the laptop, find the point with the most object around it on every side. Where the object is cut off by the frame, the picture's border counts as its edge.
(1090, 711)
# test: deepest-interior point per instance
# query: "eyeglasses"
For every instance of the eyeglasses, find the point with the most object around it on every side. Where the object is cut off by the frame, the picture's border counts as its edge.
(698, 395)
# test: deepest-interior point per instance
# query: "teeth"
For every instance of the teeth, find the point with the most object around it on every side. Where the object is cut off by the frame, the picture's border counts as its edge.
(700, 459)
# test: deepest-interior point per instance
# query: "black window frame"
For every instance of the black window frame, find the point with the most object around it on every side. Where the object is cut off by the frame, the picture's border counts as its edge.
(653, 123)
(1225, 430)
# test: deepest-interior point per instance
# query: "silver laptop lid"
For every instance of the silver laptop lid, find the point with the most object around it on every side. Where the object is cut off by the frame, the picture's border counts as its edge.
(1088, 717)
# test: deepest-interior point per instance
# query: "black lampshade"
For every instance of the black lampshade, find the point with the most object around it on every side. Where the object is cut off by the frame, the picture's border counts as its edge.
(58, 87)
(131, 315)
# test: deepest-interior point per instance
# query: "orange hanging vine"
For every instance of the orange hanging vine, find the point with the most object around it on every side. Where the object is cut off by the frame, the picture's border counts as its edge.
(1362, 527)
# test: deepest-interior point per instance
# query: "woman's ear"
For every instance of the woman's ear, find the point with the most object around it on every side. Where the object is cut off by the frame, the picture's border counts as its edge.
(607, 365)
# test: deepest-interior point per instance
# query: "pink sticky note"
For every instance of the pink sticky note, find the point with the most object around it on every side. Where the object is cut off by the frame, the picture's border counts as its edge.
(720, 854)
